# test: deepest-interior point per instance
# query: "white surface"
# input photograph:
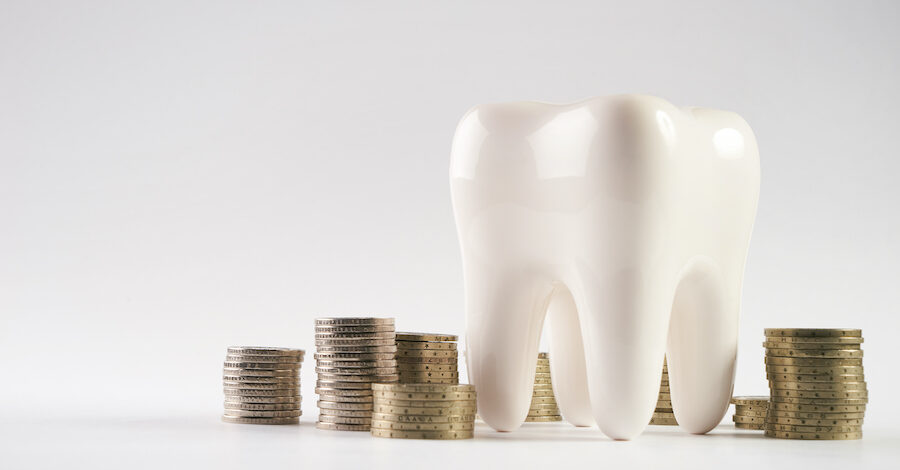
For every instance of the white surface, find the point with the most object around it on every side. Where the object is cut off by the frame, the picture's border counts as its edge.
(180, 176)
(629, 216)
(193, 441)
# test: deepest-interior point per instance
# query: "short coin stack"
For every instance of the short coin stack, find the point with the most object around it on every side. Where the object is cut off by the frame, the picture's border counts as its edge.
(663, 415)
(750, 412)
(424, 411)
(816, 383)
(543, 402)
(351, 355)
(262, 385)
(427, 358)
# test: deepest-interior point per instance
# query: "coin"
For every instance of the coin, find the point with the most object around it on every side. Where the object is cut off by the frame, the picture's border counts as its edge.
(828, 429)
(262, 414)
(749, 419)
(423, 418)
(345, 356)
(422, 426)
(818, 386)
(422, 434)
(542, 370)
(427, 403)
(425, 353)
(356, 371)
(429, 374)
(751, 400)
(810, 353)
(814, 378)
(366, 392)
(343, 406)
(756, 414)
(816, 415)
(344, 420)
(812, 332)
(815, 370)
(751, 427)
(345, 413)
(386, 349)
(342, 427)
(820, 401)
(345, 399)
(810, 346)
(813, 361)
(357, 335)
(343, 385)
(356, 364)
(365, 345)
(542, 393)
(284, 392)
(424, 396)
(417, 367)
(821, 408)
(824, 394)
(420, 388)
(821, 340)
(261, 351)
(245, 420)
(542, 419)
(357, 329)
(544, 412)
(343, 321)
(815, 422)
(408, 336)
(409, 410)
(231, 371)
(262, 365)
(290, 361)
(401, 360)
(263, 406)
(540, 400)
(290, 399)
(358, 378)
(664, 404)
(417, 345)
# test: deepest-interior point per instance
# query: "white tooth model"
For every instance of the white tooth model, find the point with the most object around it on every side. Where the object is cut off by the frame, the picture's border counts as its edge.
(628, 220)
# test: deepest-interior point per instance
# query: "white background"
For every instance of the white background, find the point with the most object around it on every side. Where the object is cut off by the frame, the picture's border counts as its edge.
(177, 177)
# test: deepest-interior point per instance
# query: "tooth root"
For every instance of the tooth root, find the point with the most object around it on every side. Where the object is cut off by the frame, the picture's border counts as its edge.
(702, 345)
(504, 316)
(567, 360)
(624, 318)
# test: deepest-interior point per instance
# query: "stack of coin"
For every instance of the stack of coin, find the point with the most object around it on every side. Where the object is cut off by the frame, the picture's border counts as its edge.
(816, 383)
(424, 411)
(543, 402)
(351, 355)
(427, 358)
(750, 412)
(262, 385)
(663, 415)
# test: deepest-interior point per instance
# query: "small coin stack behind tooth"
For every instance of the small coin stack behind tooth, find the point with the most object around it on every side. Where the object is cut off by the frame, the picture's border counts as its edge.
(750, 412)
(424, 411)
(262, 385)
(351, 355)
(816, 383)
(663, 415)
(543, 402)
(427, 358)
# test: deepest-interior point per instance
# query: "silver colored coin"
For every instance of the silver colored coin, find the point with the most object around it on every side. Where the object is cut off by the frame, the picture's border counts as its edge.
(285, 392)
(356, 371)
(246, 420)
(426, 345)
(372, 329)
(250, 379)
(345, 413)
(263, 406)
(412, 336)
(344, 385)
(234, 399)
(367, 392)
(342, 427)
(344, 419)
(359, 378)
(333, 405)
(232, 385)
(423, 418)
(345, 398)
(387, 334)
(288, 360)
(343, 321)
(263, 414)
(387, 349)
(345, 356)
(352, 343)
(264, 351)
(231, 371)
(426, 353)
(262, 365)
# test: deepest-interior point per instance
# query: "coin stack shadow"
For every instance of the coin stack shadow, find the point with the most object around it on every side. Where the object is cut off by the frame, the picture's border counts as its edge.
(543, 402)
(262, 385)
(427, 358)
(663, 414)
(351, 355)
(816, 383)
(424, 411)
(750, 412)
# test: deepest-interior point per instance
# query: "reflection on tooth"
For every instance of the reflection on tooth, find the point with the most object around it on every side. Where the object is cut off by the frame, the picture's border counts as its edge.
(630, 218)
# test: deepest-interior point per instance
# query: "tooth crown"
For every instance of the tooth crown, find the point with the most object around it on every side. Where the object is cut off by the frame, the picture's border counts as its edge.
(618, 213)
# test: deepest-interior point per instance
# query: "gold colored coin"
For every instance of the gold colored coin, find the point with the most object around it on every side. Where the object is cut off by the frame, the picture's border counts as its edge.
(820, 401)
(752, 414)
(418, 388)
(424, 418)
(773, 377)
(751, 427)
(245, 420)
(543, 400)
(412, 336)
(344, 365)
(344, 419)
(432, 381)
(543, 419)
(820, 394)
(813, 353)
(819, 340)
(544, 412)
(810, 346)
(422, 345)
(342, 427)
(818, 386)
(819, 408)
(815, 422)
(443, 435)
(429, 374)
(409, 410)
(663, 422)
(757, 406)
(418, 396)
(749, 419)
(812, 332)
(462, 426)
(827, 429)
(543, 393)
(544, 355)
(817, 415)
(426, 353)
(815, 370)
(663, 404)
(426, 367)
(813, 361)
(401, 360)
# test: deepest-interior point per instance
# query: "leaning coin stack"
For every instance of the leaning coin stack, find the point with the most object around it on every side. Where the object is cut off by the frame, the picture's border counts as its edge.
(750, 412)
(663, 415)
(543, 402)
(424, 411)
(427, 358)
(262, 385)
(351, 355)
(816, 383)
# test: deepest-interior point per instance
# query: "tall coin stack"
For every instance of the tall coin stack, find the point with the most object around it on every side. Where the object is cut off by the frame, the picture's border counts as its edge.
(750, 412)
(816, 383)
(663, 415)
(424, 411)
(543, 402)
(427, 358)
(351, 355)
(262, 385)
